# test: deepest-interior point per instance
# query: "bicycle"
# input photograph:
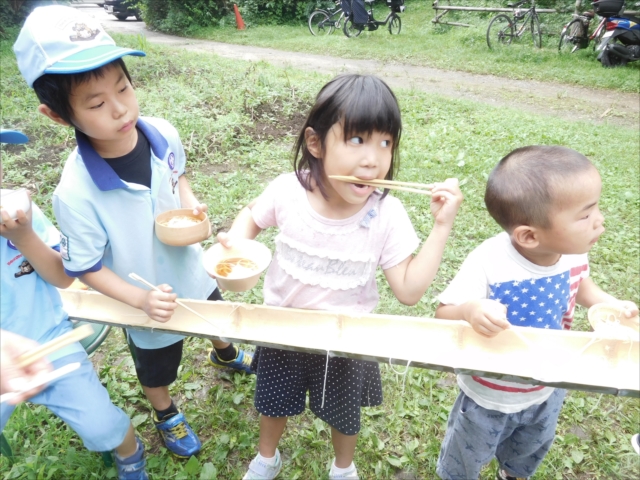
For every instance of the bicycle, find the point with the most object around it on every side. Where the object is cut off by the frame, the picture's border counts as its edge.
(324, 22)
(575, 34)
(502, 29)
(353, 29)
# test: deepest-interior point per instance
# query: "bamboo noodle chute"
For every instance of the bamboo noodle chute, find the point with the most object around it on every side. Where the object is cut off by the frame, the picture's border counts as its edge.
(576, 360)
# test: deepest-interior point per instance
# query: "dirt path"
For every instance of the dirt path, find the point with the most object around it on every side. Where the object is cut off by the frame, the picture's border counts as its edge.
(545, 98)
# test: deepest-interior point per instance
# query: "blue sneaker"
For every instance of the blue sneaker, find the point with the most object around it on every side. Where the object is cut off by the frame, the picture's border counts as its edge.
(242, 361)
(133, 467)
(177, 435)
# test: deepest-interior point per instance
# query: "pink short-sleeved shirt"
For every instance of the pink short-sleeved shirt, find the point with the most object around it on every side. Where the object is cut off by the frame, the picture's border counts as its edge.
(325, 264)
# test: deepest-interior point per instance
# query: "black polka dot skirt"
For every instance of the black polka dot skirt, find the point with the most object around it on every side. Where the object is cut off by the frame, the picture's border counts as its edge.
(284, 377)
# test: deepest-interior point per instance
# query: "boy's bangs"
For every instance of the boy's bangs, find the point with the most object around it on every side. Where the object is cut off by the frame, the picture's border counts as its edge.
(371, 109)
(98, 73)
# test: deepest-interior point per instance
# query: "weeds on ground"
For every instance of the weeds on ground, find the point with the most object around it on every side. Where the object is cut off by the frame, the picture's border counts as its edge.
(237, 121)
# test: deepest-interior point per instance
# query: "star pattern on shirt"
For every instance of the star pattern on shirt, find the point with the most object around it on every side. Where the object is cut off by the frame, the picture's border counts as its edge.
(535, 302)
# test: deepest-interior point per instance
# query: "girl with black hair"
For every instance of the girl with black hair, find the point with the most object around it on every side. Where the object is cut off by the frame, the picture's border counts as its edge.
(332, 237)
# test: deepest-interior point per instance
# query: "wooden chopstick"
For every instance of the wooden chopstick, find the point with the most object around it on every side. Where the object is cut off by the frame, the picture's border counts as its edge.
(45, 349)
(41, 379)
(424, 189)
(138, 278)
(379, 181)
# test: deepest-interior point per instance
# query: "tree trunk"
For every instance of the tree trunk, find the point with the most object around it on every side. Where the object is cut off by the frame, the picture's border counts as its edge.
(578, 5)
(16, 5)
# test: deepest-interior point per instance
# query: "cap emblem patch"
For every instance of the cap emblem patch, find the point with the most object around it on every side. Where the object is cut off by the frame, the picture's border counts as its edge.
(83, 33)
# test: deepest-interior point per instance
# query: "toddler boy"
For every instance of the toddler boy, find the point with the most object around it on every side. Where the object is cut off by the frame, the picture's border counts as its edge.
(533, 274)
(30, 306)
(125, 171)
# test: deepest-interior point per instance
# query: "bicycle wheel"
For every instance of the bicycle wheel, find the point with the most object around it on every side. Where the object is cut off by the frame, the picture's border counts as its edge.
(571, 36)
(499, 32)
(320, 24)
(536, 33)
(395, 24)
(349, 29)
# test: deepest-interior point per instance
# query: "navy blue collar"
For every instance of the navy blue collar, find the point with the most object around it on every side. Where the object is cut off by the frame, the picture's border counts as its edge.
(101, 172)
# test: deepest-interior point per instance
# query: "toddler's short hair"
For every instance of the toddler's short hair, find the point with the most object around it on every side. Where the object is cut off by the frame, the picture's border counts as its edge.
(524, 186)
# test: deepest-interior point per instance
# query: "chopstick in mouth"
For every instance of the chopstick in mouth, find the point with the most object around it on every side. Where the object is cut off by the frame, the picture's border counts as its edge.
(424, 189)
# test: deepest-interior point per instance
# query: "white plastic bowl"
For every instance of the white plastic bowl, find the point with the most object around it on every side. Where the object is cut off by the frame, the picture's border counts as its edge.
(241, 248)
(13, 200)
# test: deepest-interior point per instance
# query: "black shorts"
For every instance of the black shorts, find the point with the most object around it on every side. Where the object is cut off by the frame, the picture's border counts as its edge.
(284, 377)
(158, 367)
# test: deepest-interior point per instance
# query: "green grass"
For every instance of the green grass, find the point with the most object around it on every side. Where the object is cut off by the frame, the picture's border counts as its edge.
(452, 48)
(237, 122)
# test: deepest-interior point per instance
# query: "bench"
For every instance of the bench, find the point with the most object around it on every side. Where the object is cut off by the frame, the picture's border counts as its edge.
(442, 7)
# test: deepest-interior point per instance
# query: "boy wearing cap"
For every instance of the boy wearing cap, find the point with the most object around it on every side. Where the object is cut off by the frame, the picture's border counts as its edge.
(125, 171)
(30, 306)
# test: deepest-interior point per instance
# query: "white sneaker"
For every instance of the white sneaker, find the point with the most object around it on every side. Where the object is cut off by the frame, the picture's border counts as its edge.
(351, 474)
(259, 470)
(635, 441)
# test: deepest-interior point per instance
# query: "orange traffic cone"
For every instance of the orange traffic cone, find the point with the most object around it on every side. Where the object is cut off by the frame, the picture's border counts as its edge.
(239, 22)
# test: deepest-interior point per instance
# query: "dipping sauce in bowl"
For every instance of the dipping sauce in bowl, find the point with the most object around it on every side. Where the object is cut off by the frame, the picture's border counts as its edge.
(236, 268)
(180, 227)
(239, 267)
(180, 221)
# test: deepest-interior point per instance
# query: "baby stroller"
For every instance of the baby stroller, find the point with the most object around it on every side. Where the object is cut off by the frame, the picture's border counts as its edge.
(360, 14)
(358, 18)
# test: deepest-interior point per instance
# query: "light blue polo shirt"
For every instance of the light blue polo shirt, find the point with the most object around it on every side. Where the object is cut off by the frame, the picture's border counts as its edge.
(106, 221)
(29, 306)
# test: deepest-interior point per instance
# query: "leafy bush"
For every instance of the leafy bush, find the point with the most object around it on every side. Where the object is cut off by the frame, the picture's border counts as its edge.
(12, 14)
(177, 16)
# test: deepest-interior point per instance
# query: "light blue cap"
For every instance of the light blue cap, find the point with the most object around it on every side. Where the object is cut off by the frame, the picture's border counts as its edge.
(59, 39)
(12, 136)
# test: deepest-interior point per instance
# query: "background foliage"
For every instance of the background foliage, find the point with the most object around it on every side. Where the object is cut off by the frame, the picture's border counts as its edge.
(175, 16)
(179, 17)
(237, 121)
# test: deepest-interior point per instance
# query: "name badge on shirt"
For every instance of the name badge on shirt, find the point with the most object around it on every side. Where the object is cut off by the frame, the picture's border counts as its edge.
(64, 247)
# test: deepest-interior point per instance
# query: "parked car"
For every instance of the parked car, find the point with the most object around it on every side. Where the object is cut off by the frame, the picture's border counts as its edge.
(99, 3)
(122, 9)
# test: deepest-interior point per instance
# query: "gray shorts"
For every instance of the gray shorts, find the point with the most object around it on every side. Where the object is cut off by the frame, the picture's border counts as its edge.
(519, 440)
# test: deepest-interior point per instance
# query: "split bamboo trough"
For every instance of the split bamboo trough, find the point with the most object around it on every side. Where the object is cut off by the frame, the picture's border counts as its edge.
(575, 360)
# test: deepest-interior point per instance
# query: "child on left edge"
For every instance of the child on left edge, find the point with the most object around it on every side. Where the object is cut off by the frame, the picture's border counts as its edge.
(125, 171)
(30, 305)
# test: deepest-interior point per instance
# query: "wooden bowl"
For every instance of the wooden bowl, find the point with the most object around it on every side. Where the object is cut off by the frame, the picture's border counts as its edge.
(243, 279)
(181, 236)
(13, 200)
(603, 316)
